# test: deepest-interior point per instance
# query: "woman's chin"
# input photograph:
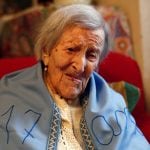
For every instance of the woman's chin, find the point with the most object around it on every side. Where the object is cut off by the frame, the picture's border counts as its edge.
(71, 95)
(70, 92)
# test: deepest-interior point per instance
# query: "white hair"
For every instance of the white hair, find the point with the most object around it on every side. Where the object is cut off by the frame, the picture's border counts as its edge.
(82, 15)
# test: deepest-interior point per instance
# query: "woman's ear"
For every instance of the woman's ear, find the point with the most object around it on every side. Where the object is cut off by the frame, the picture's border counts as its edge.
(45, 58)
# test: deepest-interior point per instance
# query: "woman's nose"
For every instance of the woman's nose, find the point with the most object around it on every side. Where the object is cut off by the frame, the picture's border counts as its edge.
(79, 63)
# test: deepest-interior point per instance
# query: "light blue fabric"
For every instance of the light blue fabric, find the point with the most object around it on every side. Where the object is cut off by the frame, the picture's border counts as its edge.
(27, 112)
(111, 125)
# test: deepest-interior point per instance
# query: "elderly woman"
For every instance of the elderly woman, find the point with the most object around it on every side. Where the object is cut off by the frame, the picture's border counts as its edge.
(61, 103)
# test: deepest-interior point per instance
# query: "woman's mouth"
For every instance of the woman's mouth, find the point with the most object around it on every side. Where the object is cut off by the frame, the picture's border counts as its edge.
(75, 79)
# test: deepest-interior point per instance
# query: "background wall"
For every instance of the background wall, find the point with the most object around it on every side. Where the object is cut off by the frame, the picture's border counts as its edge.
(145, 39)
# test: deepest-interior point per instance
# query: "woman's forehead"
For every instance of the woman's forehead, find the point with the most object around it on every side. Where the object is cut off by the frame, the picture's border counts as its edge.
(77, 35)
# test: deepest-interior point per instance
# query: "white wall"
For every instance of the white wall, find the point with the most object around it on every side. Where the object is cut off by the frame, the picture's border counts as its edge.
(145, 39)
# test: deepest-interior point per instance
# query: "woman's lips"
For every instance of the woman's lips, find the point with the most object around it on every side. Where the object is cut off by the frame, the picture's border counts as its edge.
(74, 79)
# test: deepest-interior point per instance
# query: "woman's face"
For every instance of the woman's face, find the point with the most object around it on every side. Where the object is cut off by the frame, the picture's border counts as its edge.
(72, 60)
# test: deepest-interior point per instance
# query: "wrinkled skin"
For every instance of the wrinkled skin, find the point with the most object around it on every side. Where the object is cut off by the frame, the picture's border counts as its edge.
(73, 59)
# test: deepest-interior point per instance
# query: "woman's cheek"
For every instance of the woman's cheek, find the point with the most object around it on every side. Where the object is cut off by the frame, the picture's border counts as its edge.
(90, 68)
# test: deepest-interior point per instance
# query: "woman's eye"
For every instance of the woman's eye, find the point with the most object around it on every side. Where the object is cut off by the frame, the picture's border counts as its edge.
(92, 56)
(70, 49)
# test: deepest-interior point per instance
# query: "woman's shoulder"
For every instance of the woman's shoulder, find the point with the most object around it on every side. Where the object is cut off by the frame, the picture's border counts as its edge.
(22, 74)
